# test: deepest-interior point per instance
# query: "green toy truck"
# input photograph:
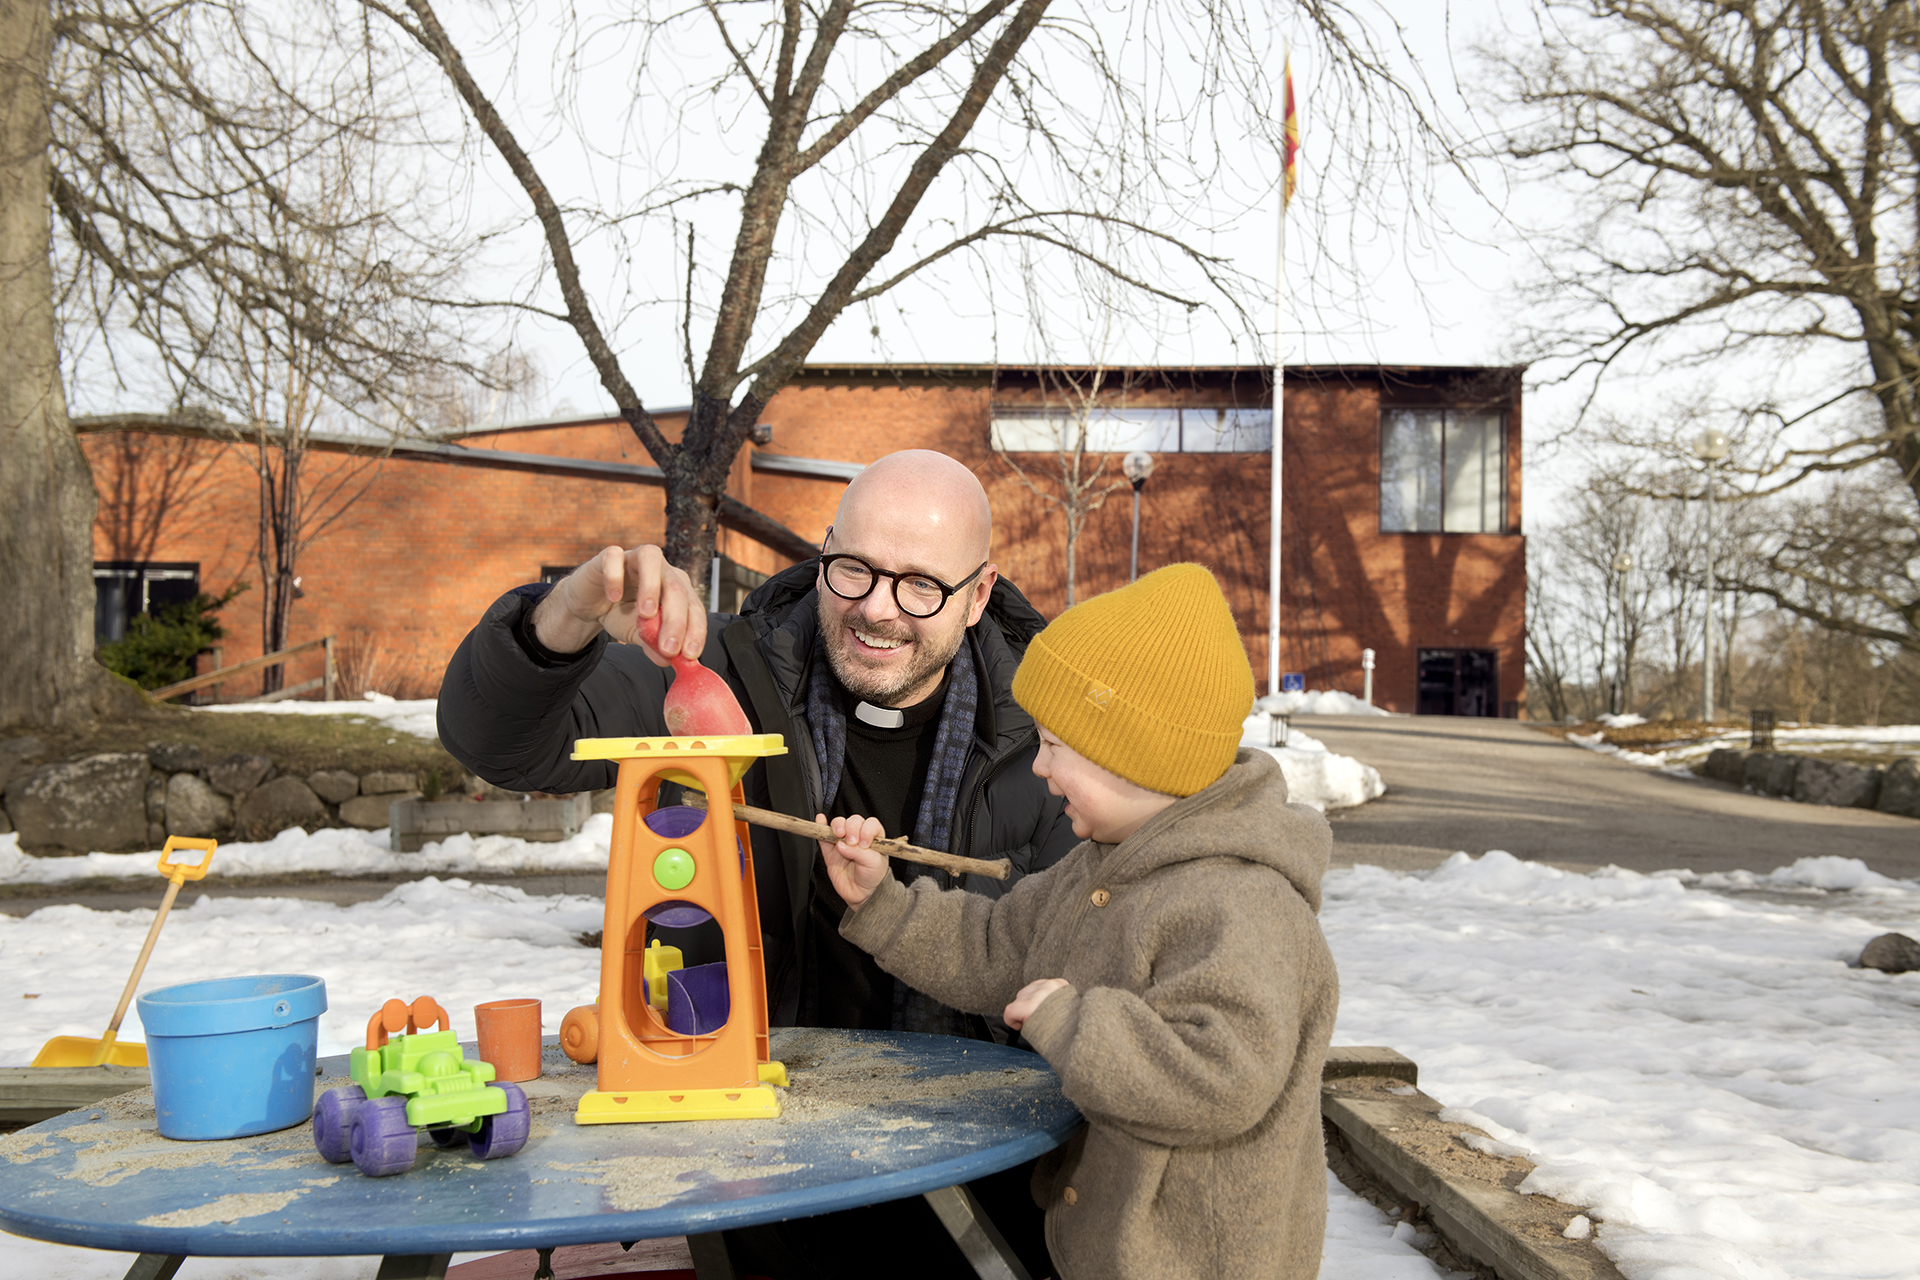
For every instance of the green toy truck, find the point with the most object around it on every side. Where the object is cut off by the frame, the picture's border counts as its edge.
(418, 1080)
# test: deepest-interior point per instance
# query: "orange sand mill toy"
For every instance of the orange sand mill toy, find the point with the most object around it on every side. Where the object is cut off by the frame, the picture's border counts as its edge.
(673, 1043)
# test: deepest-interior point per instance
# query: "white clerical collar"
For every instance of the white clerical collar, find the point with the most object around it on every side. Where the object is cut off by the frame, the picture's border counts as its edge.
(879, 717)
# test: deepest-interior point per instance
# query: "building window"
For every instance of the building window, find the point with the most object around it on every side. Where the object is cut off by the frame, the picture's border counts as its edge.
(1118, 429)
(555, 572)
(124, 589)
(1442, 471)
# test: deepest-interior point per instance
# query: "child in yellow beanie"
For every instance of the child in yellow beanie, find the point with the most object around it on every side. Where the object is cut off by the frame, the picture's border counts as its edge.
(1170, 967)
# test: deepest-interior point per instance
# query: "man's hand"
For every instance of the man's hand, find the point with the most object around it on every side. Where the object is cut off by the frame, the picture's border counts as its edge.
(613, 591)
(854, 866)
(1028, 1000)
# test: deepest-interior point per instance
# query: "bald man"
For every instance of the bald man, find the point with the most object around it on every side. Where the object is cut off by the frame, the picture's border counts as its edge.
(886, 664)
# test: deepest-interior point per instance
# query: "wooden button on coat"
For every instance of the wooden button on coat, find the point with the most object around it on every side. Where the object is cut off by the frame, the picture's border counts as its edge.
(1100, 899)
(1070, 1196)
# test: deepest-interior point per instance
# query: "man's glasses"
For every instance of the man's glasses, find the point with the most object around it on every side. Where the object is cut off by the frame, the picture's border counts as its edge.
(917, 595)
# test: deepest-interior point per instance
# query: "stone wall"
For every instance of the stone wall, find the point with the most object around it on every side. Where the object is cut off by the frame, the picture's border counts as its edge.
(1892, 789)
(134, 800)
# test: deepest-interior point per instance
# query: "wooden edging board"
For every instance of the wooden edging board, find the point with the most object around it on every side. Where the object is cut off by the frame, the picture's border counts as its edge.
(1378, 1118)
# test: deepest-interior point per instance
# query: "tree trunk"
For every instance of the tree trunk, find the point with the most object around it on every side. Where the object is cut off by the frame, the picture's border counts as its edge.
(46, 487)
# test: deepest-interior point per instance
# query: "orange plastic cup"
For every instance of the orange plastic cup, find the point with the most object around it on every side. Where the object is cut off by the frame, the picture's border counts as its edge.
(510, 1037)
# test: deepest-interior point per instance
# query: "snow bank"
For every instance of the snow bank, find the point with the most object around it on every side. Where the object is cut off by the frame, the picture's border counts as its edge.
(339, 851)
(416, 717)
(1704, 1075)
(1323, 702)
(1315, 775)
(1622, 722)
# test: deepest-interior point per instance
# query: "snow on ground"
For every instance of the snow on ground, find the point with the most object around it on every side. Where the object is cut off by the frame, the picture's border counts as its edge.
(1322, 702)
(415, 717)
(1802, 739)
(1316, 776)
(1699, 1070)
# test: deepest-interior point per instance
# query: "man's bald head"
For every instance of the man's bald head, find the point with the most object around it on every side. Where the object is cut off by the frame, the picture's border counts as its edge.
(924, 496)
(920, 514)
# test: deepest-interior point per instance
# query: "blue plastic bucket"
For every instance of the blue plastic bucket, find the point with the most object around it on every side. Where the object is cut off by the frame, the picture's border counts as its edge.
(233, 1056)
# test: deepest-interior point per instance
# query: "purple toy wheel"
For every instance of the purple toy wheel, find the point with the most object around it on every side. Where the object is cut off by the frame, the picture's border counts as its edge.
(675, 914)
(383, 1143)
(333, 1122)
(506, 1133)
(676, 821)
(448, 1136)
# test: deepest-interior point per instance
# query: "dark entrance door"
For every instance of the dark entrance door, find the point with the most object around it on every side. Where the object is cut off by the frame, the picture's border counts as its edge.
(1458, 682)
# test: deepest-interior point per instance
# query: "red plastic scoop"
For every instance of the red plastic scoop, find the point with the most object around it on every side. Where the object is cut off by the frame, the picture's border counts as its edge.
(699, 701)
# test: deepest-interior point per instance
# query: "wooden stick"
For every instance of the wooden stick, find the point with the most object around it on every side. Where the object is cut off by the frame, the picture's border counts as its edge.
(133, 979)
(999, 869)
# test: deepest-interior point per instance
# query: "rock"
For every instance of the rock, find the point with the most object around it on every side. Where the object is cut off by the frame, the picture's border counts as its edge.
(81, 806)
(274, 806)
(156, 807)
(335, 786)
(1891, 953)
(1770, 772)
(1900, 789)
(23, 748)
(6, 825)
(238, 774)
(11, 767)
(603, 800)
(1724, 764)
(194, 808)
(379, 784)
(176, 757)
(1836, 782)
(370, 813)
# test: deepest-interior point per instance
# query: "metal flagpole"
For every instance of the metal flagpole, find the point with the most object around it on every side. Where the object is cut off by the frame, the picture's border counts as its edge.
(1290, 146)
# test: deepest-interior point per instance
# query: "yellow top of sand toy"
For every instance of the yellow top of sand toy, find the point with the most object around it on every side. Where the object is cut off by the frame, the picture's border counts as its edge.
(739, 751)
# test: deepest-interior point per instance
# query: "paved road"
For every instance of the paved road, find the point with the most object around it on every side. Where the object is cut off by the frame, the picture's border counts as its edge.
(1456, 783)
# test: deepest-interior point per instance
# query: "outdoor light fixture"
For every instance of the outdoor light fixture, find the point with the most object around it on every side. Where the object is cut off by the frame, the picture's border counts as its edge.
(1711, 446)
(763, 433)
(1137, 466)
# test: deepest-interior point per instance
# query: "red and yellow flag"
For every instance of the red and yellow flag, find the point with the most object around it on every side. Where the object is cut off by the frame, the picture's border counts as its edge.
(1291, 140)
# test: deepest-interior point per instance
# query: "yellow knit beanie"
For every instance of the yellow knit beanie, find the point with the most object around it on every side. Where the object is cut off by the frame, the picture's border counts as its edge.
(1150, 682)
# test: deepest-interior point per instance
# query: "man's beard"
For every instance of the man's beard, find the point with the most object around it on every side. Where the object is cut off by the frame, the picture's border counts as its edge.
(879, 687)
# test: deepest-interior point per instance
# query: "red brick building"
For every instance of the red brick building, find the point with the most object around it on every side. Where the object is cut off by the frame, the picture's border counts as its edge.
(1401, 512)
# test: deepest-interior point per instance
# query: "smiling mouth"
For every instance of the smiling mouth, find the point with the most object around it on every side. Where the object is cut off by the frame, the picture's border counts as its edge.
(883, 644)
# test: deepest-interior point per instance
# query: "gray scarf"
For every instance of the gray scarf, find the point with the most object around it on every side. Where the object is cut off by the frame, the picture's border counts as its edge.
(933, 827)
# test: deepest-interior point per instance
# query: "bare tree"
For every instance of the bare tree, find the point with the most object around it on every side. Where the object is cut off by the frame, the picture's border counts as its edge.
(242, 203)
(1076, 478)
(1751, 171)
(893, 140)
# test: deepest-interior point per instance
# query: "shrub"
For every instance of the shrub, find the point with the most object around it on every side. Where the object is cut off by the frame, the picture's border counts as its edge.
(159, 648)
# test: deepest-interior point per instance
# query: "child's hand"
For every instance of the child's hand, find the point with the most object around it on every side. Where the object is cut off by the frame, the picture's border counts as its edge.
(854, 866)
(1029, 999)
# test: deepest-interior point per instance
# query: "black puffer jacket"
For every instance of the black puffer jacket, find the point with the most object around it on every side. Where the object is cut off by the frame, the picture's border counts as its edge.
(513, 721)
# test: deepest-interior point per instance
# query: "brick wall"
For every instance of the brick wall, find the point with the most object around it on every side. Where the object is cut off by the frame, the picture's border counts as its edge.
(420, 554)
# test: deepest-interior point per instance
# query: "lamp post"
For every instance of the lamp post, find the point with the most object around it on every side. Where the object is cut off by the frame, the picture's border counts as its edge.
(1710, 446)
(1137, 466)
(1622, 565)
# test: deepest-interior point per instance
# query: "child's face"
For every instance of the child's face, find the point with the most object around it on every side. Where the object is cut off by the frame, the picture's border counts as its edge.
(1103, 805)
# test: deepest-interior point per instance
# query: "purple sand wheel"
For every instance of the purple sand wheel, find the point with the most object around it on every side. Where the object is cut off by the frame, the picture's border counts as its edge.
(676, 821)
(506, 1133)
(698, 999)
(333, 1122)
(676, 914)
(447, 1136)
(382, 1141)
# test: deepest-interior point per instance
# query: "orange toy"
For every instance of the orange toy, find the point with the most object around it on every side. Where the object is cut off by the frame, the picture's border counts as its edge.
(648, 1070)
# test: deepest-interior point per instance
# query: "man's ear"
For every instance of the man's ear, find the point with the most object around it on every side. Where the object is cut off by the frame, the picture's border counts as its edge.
(982, 590)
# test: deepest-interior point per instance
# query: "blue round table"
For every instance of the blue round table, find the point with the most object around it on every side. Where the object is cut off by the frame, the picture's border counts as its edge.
(870, 1116)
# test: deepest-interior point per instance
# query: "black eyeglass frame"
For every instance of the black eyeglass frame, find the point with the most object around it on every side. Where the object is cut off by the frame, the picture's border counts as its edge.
(949, 592)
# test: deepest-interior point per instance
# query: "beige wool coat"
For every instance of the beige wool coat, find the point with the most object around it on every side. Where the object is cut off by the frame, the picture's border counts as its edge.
(1192, 1035)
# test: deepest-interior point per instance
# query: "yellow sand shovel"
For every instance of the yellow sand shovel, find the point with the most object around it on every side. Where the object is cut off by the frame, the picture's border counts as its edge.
(80, 1051)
